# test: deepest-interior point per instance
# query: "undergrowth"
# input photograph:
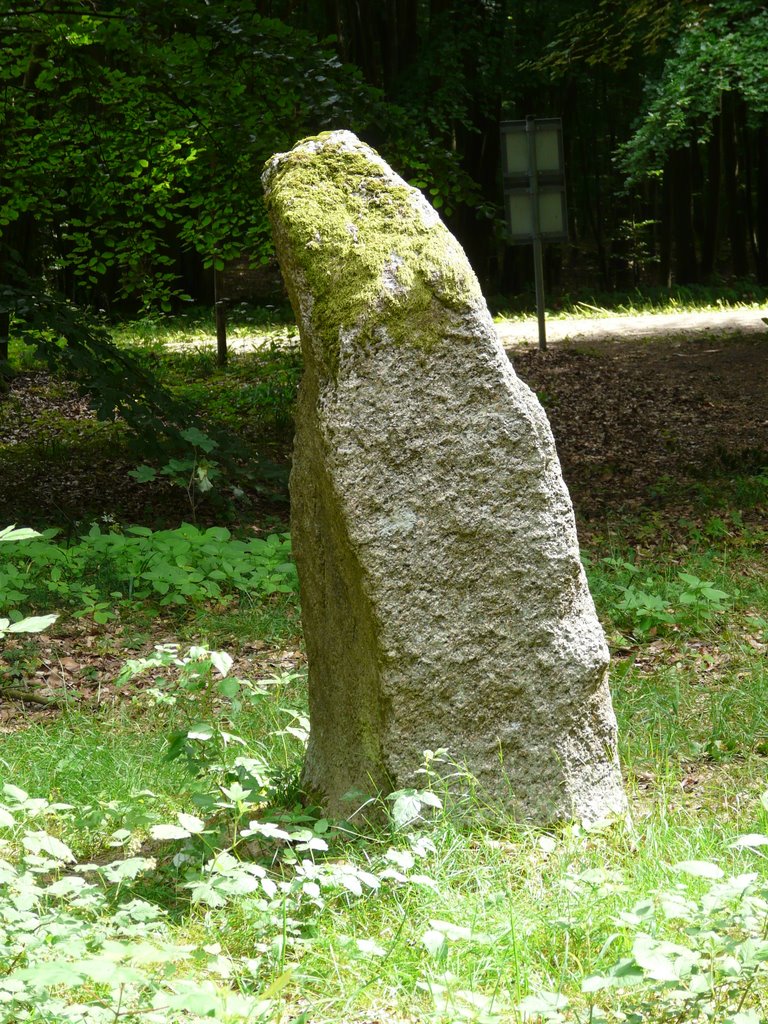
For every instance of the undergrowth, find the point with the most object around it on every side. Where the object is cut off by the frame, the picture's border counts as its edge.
(103, 571)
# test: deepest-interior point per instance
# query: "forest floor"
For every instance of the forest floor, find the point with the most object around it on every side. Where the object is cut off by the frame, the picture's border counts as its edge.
(634, 416)
(643, 426)
(631, 407)
(664, 445)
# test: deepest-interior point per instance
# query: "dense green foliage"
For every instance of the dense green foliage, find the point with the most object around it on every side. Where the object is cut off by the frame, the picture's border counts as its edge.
(173, 874)
(139, 133)
(718, 53)
(101, 571)
(132, 140)
(133, 136)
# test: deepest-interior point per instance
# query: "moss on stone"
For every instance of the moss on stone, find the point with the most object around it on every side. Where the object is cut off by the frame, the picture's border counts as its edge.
(377, 261)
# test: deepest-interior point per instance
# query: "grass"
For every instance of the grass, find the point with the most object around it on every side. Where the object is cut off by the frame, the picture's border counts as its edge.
(492, 921)
(505, 912)
(253, 394)
(678, 299)
(199, 323)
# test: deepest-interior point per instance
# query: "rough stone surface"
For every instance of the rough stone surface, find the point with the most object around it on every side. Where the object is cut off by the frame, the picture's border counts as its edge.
(443, 600)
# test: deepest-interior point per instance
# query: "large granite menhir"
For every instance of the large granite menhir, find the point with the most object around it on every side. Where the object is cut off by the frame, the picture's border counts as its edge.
(443, 600)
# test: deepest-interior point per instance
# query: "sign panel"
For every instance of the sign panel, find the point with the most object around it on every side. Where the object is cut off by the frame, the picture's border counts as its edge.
(534, 180)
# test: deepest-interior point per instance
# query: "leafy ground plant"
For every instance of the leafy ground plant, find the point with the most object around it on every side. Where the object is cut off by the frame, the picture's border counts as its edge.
(79, 947)
(105, 570)
(32, 623)
(643, 604)
(101, 952)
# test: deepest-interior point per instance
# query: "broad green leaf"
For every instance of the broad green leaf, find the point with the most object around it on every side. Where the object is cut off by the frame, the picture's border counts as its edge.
(663, 961)
(66, 886)
(403, 858)
(104, 970)
(434, 941)
(47, 974)
(543, 1002)
(143, 475)
(189, 821)
(7, 872)
(222, 662)
(455, 933)
(267, 829)
(201, 731)
(372, 948)
(199, 439)
(19, 795)
(598, 982)
(430, 799)
(699, 868)
(405, 809)
(751, 840)
(33, 624)
(130, 868)
(169, 832)
(11, 533)
(42, 842)
(352, 883)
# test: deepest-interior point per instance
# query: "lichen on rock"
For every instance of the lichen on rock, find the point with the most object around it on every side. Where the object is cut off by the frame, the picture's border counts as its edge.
(443, 599)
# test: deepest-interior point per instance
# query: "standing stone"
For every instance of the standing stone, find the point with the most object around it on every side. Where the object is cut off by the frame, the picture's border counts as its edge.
(443, 600)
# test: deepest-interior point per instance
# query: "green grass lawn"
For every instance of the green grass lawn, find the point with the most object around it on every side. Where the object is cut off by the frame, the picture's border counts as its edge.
(678, 299)
(156, 863)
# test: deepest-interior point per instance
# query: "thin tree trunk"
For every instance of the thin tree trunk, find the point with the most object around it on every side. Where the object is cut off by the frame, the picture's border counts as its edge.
(747, 136)
(761, 217)
(732, 185)
(686, 271)
(5, 327)
(665, 229)
(710, 233)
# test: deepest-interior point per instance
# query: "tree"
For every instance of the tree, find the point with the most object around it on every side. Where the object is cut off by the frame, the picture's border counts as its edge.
(135, 133)
(706, 118)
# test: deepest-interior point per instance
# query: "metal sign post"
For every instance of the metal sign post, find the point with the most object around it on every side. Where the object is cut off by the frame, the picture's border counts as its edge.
(534, 192)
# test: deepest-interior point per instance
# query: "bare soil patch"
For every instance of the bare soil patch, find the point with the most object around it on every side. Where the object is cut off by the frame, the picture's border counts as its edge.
(629, 416)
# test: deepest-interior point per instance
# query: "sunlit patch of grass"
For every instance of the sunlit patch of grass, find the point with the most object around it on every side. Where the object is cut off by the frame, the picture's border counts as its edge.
(198, 324)
(680, 299)
(254, 394)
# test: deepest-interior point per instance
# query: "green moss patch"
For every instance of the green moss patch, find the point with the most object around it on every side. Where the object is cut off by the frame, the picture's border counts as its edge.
(379, 264)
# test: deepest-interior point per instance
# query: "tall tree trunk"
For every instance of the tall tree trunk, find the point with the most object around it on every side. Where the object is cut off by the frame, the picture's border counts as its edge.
(761, 214)
(664, 220)
(686, 271)
(748, 135)
(732, 174)
(589, 186)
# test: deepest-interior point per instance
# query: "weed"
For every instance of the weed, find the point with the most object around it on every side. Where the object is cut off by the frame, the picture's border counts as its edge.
(105, 570)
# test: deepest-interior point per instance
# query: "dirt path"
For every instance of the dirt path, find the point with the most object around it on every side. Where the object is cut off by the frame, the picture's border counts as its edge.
(632, 414)
(623, 328)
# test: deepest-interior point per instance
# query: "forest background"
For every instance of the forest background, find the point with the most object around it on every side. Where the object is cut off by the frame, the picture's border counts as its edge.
(133, 136)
